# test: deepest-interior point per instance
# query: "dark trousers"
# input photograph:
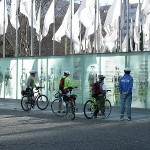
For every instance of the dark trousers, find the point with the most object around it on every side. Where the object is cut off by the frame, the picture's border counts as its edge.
(101, 102)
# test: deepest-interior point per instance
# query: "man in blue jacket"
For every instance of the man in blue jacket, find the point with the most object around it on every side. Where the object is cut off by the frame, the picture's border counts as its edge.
(125, 89)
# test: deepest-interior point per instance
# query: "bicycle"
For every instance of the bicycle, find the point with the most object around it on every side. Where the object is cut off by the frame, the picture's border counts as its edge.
(28, 101)
(68, 104)
(91, 105)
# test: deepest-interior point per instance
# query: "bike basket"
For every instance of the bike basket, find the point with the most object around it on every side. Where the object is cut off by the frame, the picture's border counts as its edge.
(65, 98)
(25, 93)
(73, 96)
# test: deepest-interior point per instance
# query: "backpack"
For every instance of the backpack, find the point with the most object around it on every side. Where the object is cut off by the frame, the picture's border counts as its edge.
(61, 83)
(96, 89)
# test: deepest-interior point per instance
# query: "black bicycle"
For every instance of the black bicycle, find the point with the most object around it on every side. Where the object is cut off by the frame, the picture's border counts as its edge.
(67, 106)
(91, 105)
(28, 101)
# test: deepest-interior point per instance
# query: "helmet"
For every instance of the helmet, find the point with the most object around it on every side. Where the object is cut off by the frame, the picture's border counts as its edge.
(101, 77)
(67, 73)
(127, 69)
(32, 72)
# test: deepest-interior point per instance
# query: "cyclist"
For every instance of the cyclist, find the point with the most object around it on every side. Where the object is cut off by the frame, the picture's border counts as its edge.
(63, 89)
(125, 88)
(101, 97)
(31, 82)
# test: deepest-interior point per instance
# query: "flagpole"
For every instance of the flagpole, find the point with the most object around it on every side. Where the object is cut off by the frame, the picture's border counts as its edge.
(4, 30)
(139, 27)
(95, 34)
(98, 29)
(80, 38)
(40, 31)
(66, 44)
(120, 26)
(127, 25)
(32, 28)
(71, 52)
(16, 51)
(54, 29)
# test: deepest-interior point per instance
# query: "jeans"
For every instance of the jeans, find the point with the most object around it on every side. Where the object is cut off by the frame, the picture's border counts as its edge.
(126, 100)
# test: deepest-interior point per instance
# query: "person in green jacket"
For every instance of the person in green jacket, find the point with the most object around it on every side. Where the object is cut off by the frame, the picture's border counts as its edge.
(64, 84)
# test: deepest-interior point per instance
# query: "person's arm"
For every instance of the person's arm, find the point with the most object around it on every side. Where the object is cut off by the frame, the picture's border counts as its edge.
(130, 85)
(119, 86)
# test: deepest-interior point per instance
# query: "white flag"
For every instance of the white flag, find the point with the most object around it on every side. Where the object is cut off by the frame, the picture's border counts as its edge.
(25, 8)
(38, 29)
(86, 12)
(2, 17)
(137, 26)
(112, 19)
(64, 26)
(124, 44)
(13, 16)
(131, 35)
(49, 19)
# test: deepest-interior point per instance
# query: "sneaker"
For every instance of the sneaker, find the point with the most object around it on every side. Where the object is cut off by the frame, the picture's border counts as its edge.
(58, 111)
(122, 117)
(129, 118)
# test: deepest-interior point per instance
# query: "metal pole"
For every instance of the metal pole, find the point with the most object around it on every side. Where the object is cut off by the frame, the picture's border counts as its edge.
(32, 46)
(4, 30)
(71, 52)
(95, 34)
(40, 32)
(127, 46)
(121, 24)
(54, 29)
(99, 44)
(139, 27)
(66, 44)
(16, 51)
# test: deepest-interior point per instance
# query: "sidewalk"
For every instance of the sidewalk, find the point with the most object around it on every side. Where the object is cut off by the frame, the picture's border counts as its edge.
(137, 113)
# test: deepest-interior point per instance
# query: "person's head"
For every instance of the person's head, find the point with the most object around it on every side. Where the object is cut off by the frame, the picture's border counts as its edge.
(32, 73)
(66, 73)
(127, 70)
(101, 77)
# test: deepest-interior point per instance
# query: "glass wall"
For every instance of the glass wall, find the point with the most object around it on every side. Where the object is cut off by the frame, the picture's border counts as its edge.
(84, 72)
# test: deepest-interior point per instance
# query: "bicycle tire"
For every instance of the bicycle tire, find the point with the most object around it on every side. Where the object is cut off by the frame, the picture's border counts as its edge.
(89, 109)
(42, 102)
(108, 108)
(71, 110)
(25, 104)
(55, 109)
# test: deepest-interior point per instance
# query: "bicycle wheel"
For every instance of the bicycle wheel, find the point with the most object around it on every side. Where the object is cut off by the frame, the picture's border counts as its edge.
(107, 108)
(71, 110)
(58, 109)
(26, 103)
(89, 109)
(42, 102)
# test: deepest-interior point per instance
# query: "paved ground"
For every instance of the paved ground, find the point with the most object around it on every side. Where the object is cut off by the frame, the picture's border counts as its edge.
(137, 113)
(42, 130)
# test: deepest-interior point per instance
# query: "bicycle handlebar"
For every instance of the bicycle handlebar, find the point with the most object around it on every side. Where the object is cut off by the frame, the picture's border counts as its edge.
(70, 88)
(39, 87)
